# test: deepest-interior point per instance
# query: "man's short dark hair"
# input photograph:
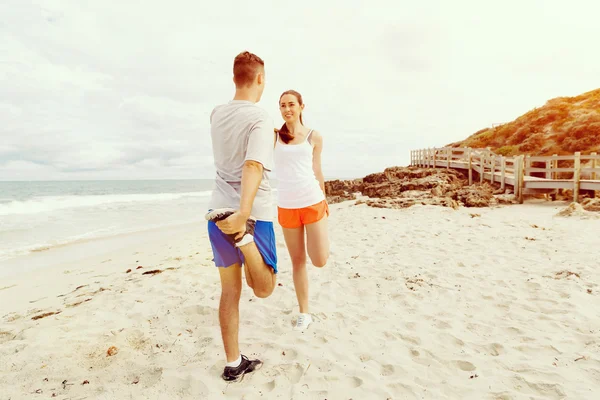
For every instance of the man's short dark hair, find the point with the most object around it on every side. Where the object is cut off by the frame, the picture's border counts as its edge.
(245, 68)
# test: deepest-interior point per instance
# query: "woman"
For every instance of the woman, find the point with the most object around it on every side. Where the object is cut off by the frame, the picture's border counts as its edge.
(301, 203)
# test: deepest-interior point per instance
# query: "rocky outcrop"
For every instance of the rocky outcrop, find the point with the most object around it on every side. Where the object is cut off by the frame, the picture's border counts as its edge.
(590, 204)
(401, 187)
(579, 210)
(563, 125)
(342, 190)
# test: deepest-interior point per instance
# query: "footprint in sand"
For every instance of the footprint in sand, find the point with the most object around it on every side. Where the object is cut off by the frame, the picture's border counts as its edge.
(6, 337)
(269, 386)
(352, 382)
(410, 339)
(443, 325)
(448, 338)
(387, 370)
(543, 389)
(514, 331)
(198, 310)
(205, 341)
(145, 379)
(495, 349)
(137, 340)
(292, 372)
(289, 354)
(501, 396)
(416, 357)
(12, 317)
(465, 366)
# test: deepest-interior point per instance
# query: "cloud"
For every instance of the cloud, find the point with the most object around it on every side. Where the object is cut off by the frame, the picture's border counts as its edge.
(95, 92)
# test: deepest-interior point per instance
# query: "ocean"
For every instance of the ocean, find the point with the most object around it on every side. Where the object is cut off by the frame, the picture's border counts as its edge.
(36, 216)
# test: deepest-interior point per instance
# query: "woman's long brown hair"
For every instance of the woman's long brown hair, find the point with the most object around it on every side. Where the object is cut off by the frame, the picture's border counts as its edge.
(284, 133)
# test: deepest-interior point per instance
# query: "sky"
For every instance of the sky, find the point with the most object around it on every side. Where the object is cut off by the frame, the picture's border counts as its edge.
(124, 90)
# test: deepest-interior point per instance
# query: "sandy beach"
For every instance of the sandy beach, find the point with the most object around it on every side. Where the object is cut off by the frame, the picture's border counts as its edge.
(425, 302)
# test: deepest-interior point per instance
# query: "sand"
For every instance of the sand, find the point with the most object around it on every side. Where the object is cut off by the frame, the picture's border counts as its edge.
(420, 303)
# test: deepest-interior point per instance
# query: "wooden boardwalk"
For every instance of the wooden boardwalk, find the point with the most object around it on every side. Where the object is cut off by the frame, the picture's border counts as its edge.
(582, 172)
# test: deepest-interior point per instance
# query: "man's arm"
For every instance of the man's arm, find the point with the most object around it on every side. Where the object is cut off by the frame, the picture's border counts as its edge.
(251, 177)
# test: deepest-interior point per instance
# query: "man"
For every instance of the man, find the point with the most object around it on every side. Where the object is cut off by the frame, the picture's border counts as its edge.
(240, 218)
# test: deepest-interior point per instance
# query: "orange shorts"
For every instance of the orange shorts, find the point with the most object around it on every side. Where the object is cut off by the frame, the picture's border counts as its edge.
(296, 217)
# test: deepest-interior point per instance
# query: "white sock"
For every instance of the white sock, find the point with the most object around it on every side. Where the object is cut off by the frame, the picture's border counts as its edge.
(248, 238)
(236, 363)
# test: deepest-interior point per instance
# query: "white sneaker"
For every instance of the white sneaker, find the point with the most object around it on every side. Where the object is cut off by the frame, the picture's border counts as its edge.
(304, 320)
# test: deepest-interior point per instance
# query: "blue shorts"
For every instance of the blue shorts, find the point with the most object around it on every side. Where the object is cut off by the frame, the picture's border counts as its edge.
(226, 253)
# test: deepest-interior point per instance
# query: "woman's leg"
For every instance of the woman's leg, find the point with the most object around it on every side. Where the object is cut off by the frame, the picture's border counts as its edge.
(317, 240)
(294, 240)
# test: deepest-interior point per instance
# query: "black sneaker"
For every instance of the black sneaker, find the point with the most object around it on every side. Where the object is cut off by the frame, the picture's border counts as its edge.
(231, 374)
(222, 213)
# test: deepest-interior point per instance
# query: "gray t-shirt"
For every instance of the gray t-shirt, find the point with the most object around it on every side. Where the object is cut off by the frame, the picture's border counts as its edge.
(241, 131)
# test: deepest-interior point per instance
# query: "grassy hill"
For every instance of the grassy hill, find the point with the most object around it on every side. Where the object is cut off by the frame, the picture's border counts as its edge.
(562, 126)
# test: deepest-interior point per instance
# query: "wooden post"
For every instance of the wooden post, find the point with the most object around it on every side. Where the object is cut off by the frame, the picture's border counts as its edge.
(576, 176)
(434, 157)
(521, 179)
(593, 177)
(548, 169)
(493, 168)
(449, 156)
(502, 172)
(431, 151)
(516, 176)
(481, 167)
(470, 167)
(554, 166)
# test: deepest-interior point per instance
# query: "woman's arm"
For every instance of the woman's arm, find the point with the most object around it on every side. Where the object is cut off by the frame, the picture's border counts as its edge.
(317, 141)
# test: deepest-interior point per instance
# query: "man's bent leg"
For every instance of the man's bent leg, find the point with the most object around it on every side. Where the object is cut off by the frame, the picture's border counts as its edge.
(229, 313)
(261, 275)
(248, 276)
(260, 259)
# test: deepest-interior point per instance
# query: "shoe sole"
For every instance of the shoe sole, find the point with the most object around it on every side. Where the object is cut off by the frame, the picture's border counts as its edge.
(301, 329)
(217, 215)
(220, 213)
(241, 377)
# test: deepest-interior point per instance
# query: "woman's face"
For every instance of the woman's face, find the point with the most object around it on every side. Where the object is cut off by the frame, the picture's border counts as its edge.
(290, 108)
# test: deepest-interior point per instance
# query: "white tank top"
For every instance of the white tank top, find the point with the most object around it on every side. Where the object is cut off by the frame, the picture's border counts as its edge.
(297, 186)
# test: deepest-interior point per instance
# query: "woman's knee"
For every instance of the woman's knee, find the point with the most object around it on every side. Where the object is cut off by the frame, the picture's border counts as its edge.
(298, 257)
(319, 260)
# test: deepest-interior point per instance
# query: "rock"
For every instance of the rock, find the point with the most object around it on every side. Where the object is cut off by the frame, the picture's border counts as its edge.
(574, 209)
(591, 204)
(476, 196)
(402, 187)
(506, 199)
(338, 191)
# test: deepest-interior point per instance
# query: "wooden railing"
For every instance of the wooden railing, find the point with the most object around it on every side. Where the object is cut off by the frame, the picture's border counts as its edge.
(577, 172)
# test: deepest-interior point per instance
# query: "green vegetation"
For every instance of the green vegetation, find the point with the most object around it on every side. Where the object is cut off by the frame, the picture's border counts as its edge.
(563, 125)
